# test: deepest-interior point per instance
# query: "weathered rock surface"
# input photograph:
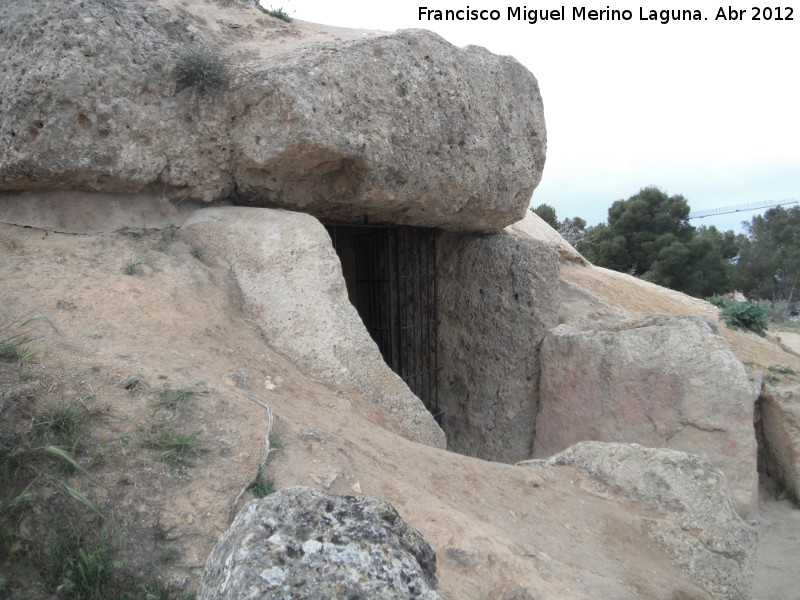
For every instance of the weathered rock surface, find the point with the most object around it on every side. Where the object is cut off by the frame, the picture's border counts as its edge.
(291, 283)
(780, 420)
(497, 299)
(69, 211)
(579, 309)
(532, 226)
(696, 523)
(499, 531)
(403, 127)
(662, 382)
(305, 543)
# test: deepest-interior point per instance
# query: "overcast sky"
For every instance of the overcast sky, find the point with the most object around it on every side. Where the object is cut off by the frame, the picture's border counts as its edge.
(708, 109)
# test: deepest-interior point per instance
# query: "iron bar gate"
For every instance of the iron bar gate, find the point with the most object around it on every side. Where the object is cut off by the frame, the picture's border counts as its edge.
(395, 295)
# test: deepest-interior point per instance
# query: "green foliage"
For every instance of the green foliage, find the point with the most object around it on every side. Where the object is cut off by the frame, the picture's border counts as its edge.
(79, 572)
(778, 312)
(640, 230)
(745, 315)
(278, 13)
(548, 214)
(45, 530)
(201, 68)
(769, 260)
(173, 446)
(573, 230)
(648, 235)
(718, 300)
(55, 540)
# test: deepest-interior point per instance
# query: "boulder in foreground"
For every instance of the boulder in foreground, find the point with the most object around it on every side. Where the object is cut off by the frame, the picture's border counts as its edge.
(697, 525)
(306, 543)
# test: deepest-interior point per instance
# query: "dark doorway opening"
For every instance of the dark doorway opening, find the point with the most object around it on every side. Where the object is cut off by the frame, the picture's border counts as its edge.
(390, 274)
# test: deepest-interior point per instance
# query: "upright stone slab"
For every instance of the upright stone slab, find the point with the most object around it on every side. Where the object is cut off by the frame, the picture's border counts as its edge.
(663, 382)
(780, 420)
(291, 283)
(497, 299)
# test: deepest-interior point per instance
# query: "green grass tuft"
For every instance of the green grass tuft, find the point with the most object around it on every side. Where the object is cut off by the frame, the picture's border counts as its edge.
(275, 441)
(132, 267)
(262, 485)
(174, 447)
(15, 337)
(177, 399)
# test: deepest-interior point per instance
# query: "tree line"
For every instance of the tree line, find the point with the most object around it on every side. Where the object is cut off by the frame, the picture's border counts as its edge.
(649, 236)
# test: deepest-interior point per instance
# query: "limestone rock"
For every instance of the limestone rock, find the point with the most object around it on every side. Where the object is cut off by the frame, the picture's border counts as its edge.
(663, 382)
(532, 226)
(695, 524)
(291, 283)
(497, 299)
(581, 310)
(399, 127)
(780, 420)
(304, 543)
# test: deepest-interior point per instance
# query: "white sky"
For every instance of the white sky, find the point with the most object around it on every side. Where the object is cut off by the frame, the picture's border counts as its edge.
(707, 109)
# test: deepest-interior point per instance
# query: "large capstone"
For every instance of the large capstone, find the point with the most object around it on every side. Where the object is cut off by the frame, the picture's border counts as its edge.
(402, 128)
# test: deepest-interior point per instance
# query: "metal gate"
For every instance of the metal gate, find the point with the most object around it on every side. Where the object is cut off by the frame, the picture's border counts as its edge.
(396, 298)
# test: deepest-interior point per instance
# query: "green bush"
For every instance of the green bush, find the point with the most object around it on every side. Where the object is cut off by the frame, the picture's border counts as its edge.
(745, 315)
(278, 13)
(718, 300)
(201, 68)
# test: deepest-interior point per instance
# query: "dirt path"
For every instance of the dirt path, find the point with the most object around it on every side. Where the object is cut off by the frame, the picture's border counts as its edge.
(776, 576)
(792, 340)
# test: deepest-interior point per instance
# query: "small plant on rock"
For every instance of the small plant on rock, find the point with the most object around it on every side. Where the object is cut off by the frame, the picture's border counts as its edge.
(201, 68)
